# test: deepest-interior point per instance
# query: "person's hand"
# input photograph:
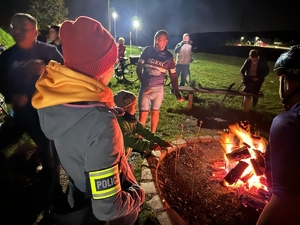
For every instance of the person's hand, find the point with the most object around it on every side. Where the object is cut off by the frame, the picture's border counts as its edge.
(179, 97)
(154, 146)
(166, 145)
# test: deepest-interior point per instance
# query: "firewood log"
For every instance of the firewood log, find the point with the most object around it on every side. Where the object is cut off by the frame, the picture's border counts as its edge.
(235, 173)
(239, 153)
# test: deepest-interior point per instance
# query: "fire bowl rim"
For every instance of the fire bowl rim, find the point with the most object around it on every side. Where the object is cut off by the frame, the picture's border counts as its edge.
(177, 144)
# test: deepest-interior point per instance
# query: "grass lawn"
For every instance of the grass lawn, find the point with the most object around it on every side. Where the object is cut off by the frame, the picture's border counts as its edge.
(212, 71)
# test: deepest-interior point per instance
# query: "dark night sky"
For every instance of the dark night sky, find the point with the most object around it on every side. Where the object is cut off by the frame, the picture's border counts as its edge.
(193, 16)
(180, 16)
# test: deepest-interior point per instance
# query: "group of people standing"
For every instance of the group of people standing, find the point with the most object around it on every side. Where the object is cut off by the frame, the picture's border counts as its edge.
(70, 113)
(65, 105)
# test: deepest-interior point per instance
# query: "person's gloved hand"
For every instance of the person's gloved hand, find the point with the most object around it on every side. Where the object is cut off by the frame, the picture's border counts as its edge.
(154, 146)
(165, 145)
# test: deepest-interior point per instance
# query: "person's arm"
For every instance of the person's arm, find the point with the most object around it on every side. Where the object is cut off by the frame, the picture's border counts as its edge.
(141, 63)
(174, 80)
(3, 74)
(178, 47)
(243, 69)
(283, 207)
(266, 69)
(148, 135)
(130, 138)
(114, 190)
(139, 70)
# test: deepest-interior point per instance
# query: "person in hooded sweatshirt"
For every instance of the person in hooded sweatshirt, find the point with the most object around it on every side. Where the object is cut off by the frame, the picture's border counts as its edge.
(75, 108)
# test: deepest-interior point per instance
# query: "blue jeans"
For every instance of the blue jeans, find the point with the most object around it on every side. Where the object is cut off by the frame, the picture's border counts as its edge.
(182, 70)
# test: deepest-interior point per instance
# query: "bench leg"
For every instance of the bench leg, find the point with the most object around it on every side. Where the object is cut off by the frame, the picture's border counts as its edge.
(190, 100)
(246, 103)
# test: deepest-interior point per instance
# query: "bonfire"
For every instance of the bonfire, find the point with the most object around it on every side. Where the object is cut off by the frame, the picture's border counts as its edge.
(243, 166)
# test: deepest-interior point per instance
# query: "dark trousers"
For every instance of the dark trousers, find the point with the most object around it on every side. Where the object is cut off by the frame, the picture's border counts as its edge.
(182, 71)
(254, 88)
(82, 212)
(85, 216)
(26, 120)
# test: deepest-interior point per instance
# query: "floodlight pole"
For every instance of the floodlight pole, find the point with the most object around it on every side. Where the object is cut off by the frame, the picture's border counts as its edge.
(115, 26)
(108, 13)
(136, 36)
(130, 41)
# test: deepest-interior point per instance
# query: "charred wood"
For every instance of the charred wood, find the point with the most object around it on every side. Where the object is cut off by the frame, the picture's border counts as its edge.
(236, 172)
(253, 201)
(263, 181)
(264, 194)
(260, 158)
(239, 153)
(255, 166)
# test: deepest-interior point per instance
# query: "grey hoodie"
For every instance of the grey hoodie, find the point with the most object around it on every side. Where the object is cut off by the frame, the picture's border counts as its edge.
(88, 138)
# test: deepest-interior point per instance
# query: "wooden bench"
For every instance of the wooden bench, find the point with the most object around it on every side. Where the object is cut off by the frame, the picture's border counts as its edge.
(192, 90)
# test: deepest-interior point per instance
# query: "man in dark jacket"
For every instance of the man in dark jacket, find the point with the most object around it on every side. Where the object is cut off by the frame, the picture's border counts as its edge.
(20, 67)
(283, 150)
(254, 71)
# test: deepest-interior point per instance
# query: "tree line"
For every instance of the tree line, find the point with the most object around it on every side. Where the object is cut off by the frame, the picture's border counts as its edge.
(47, 12)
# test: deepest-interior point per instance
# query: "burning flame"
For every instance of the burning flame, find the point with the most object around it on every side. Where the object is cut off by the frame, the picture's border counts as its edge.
(229, 141)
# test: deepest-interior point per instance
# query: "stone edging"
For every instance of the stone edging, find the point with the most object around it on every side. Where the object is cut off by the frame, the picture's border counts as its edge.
(166, 215)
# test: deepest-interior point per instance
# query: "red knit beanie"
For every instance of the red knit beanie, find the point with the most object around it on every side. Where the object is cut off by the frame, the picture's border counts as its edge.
(87, 46)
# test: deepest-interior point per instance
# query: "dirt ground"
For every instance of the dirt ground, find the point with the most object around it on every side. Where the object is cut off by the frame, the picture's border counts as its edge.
(185, 182)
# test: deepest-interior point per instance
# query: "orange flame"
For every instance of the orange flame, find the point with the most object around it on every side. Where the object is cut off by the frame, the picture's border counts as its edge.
(229, 140)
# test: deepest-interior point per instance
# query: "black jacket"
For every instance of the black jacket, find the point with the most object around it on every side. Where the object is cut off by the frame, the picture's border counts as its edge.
(17, 72)
(262, 70)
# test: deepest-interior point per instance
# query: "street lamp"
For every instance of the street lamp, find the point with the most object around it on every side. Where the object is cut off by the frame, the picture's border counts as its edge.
(136, 25)
(108, 14)
(115, 15)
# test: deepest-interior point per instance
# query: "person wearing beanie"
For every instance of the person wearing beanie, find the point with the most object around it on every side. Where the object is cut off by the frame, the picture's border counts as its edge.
(75, 108)
(131, 127)
(153, 65)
